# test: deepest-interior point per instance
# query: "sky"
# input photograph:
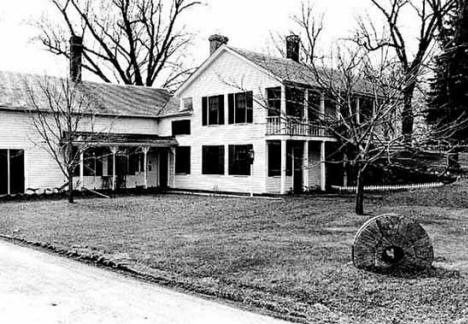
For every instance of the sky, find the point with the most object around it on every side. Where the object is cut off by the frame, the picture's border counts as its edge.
(249, 24)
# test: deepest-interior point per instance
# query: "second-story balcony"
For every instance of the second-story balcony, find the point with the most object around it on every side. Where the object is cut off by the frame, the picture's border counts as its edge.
(293, 126)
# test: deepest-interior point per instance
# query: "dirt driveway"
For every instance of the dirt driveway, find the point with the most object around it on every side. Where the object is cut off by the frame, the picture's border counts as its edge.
(36, 287)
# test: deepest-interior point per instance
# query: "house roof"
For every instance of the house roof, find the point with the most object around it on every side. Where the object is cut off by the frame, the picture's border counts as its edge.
(287, 70)
(282, 69)
(110, 99)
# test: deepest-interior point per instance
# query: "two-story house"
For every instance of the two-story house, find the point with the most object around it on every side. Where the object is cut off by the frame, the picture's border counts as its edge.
(238, 107)
(246, 103)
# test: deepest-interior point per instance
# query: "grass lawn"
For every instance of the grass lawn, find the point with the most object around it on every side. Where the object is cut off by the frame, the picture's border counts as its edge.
(291, 257)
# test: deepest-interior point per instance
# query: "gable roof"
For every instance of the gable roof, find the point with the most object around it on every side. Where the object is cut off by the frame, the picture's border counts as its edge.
(286, 70)
(111, 99)
(282, 69)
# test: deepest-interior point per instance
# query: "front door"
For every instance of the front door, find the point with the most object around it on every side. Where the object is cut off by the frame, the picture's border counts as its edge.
(163, 169)
(16, 171)
(298, 171)
(11, 171)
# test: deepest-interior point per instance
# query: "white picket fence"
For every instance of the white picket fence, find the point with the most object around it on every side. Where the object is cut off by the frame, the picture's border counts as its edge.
(353, 189)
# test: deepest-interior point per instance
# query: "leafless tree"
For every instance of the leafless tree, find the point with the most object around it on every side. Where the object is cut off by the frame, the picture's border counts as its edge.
(428, 17)
(138, 42)
(60, 109)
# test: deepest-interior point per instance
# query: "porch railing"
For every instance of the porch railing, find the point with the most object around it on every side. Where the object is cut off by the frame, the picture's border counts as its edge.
(293, 126)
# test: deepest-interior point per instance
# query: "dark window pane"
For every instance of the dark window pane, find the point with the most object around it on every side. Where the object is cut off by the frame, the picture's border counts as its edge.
(239, 162)
(221, 110)
(289, 158)
(213, 159)
(110, 164)
(274, 101)
(330, 106)
(3, 172)
(180, 127)
(16, 171)
(231, 108)
(366, 108)
(295, 102)
(92, 163)
(183, 159)
(249, 106)
(314, 102)
(241, 113)
(204, 111)
(274, 159)
(215, 110)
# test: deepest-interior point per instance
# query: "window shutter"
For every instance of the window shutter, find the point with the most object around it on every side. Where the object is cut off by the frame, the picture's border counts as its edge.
(249, 106)
(231, 108)
(204, 111)
(221, 109)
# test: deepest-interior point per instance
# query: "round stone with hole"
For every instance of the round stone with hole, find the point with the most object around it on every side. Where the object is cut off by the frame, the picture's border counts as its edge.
(392, 241)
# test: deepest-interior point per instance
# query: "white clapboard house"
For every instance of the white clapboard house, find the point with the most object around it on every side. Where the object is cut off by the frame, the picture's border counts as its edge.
(232, 110)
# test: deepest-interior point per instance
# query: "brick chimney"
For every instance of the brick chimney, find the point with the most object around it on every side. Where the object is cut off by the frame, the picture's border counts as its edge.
(216, 41)
(293, 43)
(76, 50)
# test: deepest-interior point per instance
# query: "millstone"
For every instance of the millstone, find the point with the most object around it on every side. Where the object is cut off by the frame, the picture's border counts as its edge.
(392, 241)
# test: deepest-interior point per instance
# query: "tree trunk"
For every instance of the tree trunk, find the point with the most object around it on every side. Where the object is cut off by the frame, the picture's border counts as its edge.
(360, 192)
(407, 113)
(70, 188)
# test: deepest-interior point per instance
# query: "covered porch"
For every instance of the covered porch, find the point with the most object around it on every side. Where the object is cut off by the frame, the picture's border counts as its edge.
(296, 166)
(114, 161)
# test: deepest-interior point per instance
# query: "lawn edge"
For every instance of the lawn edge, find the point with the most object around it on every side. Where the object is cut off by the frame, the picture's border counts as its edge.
(230, 299)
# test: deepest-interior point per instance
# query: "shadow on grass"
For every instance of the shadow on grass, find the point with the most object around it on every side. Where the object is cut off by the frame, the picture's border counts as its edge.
(432, 272)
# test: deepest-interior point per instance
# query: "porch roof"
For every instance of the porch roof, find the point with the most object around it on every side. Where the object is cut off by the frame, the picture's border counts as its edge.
(122, 139)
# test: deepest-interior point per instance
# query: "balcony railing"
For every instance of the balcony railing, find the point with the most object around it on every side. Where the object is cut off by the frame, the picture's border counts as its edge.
(293, 126)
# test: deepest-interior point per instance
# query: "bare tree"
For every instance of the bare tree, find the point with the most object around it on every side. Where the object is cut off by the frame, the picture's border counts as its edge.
(136, 42)
(60, 110)
(428, 16)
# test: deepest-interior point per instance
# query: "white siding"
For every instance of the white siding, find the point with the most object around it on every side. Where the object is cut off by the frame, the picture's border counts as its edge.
(41, 170)
(227, 74)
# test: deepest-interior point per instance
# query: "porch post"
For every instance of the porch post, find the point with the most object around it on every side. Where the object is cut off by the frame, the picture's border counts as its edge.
(114, 150)
(306, 105)
(322, 111)
(305, 167)
(283, 167)
(81, 169)
(323, 167)
(145, 150)
(8, 173)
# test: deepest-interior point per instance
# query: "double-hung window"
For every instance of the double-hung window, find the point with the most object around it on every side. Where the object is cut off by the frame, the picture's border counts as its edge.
(213, 159)
(314, 101)
(239, 161)
(295, 102)
(274, 101)
(213, 110)
(240, 107)
(182, 165)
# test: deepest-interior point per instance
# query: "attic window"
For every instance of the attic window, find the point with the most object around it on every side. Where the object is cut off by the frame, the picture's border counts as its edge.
(187, 103)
